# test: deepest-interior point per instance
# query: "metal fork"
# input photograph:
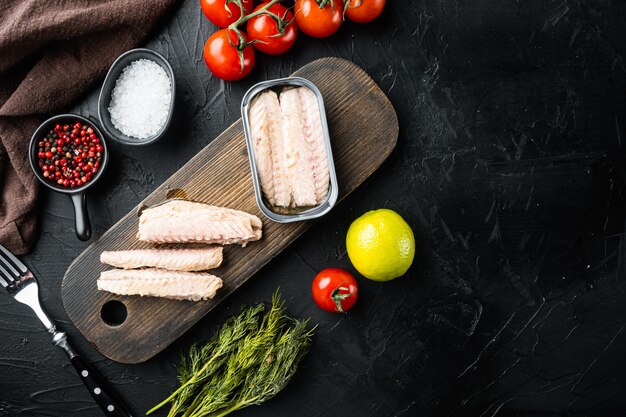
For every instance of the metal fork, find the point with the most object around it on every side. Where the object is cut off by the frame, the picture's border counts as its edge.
(21, 284)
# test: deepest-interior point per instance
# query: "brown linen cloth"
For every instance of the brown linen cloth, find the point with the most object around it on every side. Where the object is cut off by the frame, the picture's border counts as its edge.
(51, 52)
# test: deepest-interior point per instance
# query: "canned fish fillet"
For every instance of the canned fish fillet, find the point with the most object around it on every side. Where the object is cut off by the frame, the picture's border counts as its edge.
(289, 149)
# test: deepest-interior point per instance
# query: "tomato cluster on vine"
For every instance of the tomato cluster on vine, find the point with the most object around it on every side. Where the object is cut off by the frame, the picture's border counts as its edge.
(272, 28)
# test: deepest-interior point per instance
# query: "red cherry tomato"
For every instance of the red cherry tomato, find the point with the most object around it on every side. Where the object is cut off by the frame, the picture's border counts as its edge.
(334, 290)
(223, 60)
(319, 22)
(222, 14)
(362, 11)
(264, 29)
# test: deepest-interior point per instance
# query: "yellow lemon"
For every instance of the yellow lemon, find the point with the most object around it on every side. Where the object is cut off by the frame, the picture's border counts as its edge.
(381, 245)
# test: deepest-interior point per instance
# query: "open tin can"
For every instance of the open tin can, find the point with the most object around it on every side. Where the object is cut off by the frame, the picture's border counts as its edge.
(281, 215)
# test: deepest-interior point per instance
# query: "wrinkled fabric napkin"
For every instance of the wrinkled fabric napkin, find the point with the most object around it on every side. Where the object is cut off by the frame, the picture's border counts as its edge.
(51, 52)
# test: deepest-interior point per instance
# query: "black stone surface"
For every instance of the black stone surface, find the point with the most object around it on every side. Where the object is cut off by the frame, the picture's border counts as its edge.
(510, 169)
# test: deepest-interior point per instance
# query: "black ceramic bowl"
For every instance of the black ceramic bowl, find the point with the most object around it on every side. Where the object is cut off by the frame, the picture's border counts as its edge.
(109, 83)
(77, 194)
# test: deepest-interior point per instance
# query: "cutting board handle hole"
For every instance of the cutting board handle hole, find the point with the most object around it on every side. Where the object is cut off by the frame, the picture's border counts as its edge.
(113, 313)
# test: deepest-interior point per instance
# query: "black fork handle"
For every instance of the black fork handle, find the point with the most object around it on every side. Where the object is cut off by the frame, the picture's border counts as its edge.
(106, 397)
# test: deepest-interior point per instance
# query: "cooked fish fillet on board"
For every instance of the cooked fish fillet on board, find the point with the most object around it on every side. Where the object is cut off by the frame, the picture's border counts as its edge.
(173, 259)
(179, 221)
(194, 286)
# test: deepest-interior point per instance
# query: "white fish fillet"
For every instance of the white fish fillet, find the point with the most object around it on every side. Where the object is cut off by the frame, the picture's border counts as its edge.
(298, 157)
(314, 136)
(173, 259)
(268, 145)
(289, 147)
(181, 221)
(194, 286)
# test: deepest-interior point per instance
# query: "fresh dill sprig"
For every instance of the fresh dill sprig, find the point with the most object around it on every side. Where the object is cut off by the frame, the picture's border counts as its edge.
(249, 360)
(277, 368)
(203, 362)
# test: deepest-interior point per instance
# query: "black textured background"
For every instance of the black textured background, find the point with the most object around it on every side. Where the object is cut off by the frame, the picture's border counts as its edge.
(509, 167)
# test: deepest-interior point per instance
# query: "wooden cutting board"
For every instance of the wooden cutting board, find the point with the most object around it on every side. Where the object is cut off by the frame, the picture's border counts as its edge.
(363, 131)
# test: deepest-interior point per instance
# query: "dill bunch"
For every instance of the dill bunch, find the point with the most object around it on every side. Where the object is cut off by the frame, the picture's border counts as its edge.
(249, 360)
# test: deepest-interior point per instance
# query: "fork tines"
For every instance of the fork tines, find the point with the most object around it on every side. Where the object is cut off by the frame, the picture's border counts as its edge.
(11, 268)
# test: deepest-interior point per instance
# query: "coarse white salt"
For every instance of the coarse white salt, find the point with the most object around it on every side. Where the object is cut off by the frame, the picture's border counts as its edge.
(140, 100)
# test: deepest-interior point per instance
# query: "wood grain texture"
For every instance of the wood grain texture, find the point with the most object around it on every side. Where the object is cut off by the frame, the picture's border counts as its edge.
(363, 130)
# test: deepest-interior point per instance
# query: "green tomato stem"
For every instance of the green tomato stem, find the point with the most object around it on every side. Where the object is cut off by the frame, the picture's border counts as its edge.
(244, 18)
(338, 297)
